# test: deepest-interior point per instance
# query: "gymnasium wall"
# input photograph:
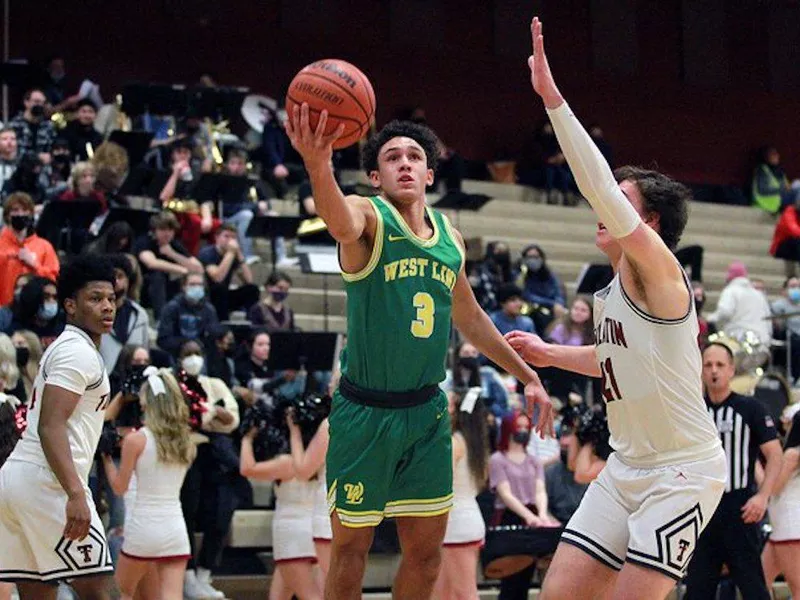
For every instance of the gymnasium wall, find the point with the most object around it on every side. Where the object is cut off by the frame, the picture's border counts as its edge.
(692, 86)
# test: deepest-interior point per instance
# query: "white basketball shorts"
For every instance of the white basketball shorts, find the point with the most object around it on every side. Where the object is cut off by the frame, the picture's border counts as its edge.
(32, 520)
(648, 517)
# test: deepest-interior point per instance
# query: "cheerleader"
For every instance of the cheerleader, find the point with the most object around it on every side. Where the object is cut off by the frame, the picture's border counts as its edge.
(782, 551)
(458, 579)
(160, 454)
(293, 545)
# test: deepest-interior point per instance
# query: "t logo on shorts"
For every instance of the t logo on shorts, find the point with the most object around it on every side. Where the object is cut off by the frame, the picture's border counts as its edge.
(86, 550)
(354, 492)
(683, 545)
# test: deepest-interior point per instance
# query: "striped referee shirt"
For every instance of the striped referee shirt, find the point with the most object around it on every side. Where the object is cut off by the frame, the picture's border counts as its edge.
(743, 425)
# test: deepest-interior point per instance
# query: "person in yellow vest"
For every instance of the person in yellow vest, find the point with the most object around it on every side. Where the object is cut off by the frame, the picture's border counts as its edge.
(770, 188)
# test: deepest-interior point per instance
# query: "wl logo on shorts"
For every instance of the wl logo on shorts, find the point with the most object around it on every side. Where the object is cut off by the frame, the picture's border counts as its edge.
(354, 492)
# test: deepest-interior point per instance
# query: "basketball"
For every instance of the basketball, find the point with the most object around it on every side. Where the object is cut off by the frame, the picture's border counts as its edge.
(341, 89)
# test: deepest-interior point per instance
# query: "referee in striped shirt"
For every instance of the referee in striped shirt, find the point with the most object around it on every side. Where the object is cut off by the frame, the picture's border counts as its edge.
(732, 536)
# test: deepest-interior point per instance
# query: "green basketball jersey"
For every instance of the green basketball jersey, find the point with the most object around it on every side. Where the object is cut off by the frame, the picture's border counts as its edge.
(399, 305)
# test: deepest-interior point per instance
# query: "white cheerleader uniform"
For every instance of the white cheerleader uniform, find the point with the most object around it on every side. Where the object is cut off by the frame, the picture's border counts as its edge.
(154, 526)
(292, 524)
(321, 526)
(465, 524)
(784, 512)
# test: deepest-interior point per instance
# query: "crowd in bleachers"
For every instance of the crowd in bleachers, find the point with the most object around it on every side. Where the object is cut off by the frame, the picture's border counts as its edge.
(188, 300)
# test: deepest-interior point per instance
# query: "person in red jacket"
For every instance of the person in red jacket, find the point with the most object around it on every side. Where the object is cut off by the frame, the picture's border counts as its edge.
(786, 239)
(21, 250)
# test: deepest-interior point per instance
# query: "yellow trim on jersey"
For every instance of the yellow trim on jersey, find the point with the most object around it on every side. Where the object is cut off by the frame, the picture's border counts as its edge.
(413, 237)
(416, 501)
(451, 232)
(377, 250)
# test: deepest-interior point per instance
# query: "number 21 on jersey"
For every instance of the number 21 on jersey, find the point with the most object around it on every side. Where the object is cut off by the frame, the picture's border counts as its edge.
(610, 387)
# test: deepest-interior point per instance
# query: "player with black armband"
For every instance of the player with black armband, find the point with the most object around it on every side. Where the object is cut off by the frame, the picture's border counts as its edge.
(637, 526)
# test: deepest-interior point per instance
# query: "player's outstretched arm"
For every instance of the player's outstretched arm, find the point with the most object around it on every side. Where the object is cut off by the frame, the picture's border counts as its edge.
(476, 326)
(654, 262)
(344, 216)
(57, 404)
(534, 350)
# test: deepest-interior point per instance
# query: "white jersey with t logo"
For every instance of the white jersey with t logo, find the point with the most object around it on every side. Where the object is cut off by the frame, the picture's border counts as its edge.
(71, 362)
(651, 382)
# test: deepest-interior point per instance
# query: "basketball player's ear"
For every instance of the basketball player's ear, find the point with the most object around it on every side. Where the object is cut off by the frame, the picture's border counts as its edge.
(375, 179)
(429, 175)
(653, 220)
(69, 307)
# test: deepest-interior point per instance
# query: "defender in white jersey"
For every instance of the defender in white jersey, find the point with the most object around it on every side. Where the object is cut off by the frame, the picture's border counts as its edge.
(49, 525)
(637, 526)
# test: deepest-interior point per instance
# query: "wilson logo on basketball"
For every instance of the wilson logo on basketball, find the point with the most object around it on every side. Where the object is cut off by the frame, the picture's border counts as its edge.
(354, 492)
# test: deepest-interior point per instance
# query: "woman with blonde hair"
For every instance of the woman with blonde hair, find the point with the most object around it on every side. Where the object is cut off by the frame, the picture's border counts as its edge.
(29, 352)
(160, 454)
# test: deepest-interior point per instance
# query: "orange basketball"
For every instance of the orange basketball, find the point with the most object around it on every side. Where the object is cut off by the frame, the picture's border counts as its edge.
(341, 89)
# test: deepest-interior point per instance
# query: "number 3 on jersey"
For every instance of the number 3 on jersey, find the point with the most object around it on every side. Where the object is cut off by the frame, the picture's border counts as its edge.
(422, 326)
(610, 387)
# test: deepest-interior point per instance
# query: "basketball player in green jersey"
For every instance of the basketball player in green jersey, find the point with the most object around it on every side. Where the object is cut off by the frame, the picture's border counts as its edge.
(403, 266)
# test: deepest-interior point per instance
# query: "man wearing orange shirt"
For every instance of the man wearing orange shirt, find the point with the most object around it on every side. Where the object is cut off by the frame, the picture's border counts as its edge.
(21, 250)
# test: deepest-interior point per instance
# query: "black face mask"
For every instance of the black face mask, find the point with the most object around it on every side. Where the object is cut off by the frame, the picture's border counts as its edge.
(522, 437)
(229, 351)
(469, 362)
(23, 354)
(564, 455)
(698, 304)
(502, 259)
(21, 222)
(37, 111)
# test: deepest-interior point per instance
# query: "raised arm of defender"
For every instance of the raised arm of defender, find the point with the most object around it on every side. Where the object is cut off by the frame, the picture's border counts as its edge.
(654, 264)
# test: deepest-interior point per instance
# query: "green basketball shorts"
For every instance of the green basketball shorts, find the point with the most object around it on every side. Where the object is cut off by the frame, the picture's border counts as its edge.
(389, 462)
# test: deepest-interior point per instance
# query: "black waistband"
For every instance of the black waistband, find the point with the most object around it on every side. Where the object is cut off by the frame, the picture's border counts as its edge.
(382, 399)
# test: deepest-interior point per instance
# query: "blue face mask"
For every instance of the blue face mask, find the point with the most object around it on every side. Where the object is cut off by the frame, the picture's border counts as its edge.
(47, 311)
(794, 295)
(195, 293)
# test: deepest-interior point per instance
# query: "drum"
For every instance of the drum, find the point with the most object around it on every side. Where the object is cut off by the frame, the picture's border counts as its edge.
(509, 549)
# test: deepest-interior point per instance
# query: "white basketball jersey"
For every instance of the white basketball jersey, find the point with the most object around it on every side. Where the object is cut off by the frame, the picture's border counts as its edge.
(651, 381)
(71, 362)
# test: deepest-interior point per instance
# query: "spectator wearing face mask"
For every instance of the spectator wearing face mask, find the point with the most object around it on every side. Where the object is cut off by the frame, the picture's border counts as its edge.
(35, 132)
(540, 287)
(210, 485)
(37, 310)
(189, 316)
(521, 497)
(468, 373)
(272, 313)
(21, 250)
(29, 353)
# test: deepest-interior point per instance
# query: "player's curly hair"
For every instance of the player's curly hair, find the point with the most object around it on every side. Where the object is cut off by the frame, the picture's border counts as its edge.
(80, 272)
(664, 196)
(422, 134)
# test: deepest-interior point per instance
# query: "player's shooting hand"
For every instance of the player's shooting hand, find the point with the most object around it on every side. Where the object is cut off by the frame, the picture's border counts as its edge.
(754, 509)
(541, 77)
(536, 395)
(530, 347)
(315, 147)
(79, 517)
